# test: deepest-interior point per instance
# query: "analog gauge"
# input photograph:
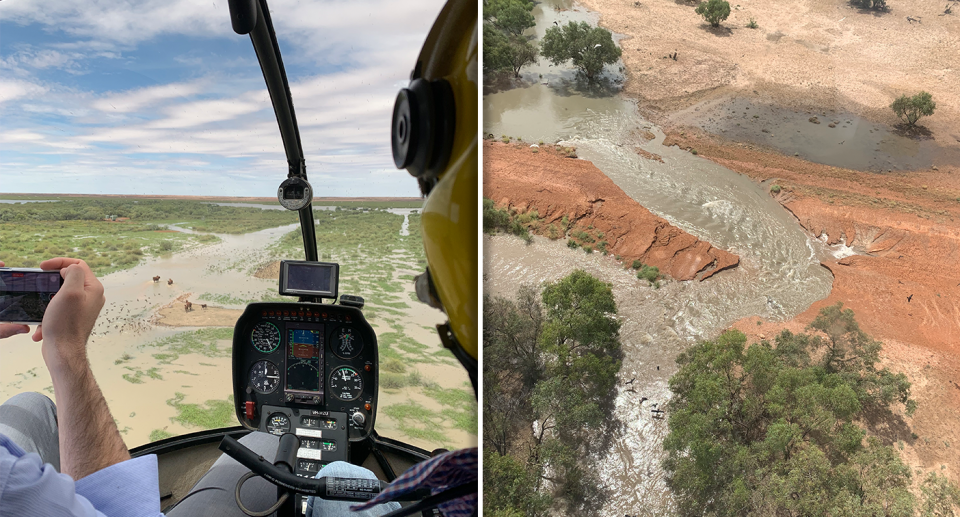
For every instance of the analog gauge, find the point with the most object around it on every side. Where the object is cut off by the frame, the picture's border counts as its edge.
(345, 383)
(265, 337)
(278, 424)
(348, 343)
(264, 377)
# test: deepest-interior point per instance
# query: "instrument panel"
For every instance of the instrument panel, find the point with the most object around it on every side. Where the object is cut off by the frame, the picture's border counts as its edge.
(309, 358)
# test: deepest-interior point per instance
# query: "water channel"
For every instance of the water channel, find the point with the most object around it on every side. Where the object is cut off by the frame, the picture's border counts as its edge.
(779, 275)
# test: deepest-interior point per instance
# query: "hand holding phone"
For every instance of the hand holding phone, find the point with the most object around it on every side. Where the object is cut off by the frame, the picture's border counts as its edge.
(71, 315)
(25, 293)
(7, 330)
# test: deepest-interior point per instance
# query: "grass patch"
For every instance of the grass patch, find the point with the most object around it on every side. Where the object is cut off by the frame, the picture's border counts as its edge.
(450, 397)
(160, 434)
(202, 341)
(212, 414)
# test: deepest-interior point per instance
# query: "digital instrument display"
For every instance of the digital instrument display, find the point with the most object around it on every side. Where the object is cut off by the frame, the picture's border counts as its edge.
(305, 360)
(24, 295)
(304, 278)
(318, 423)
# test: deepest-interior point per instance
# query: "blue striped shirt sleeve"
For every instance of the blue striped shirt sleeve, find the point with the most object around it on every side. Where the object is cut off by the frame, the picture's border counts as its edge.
(28, 487)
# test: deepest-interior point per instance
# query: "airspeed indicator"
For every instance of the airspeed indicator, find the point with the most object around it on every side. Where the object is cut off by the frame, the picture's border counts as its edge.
(346, 384)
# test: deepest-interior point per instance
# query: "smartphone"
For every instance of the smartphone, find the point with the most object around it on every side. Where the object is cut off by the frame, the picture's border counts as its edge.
(25, 293)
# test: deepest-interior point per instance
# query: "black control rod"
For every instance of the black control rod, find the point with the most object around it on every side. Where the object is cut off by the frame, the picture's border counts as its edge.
(337, 489)
(253, 17)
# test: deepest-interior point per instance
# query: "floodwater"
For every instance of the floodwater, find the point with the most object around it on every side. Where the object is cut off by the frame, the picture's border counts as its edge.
(18, 201)
(853, 142)
(779, 274)
(128, 321)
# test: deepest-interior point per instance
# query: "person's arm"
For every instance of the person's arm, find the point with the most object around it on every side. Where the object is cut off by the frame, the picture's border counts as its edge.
(89, 438)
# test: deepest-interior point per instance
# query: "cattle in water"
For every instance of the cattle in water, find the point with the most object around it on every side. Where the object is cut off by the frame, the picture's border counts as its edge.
(203, 306)
(187, 306)
(156, 279)
(169, 281)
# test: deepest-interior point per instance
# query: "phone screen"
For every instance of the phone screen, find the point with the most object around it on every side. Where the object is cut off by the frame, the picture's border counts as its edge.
(24, 295)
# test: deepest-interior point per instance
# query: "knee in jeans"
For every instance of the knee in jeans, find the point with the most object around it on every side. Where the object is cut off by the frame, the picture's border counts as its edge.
(32, 401)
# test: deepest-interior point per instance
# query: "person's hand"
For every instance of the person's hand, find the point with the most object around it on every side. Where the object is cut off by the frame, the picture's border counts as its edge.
(9, 329)
(71, 314)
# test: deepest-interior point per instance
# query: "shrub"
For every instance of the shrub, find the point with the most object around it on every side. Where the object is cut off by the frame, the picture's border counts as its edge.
(572, 244)
(753, 24)
(911, 109)
(649, 273)
(775, 189)
(876, 5)
(714, 12)
(588, 249)
(637, 264)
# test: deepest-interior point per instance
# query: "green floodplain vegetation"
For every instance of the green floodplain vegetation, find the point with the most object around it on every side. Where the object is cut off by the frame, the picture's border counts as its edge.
(375, 263)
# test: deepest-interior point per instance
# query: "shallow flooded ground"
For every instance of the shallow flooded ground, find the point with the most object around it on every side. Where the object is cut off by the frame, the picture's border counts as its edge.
(823, 136)
(165, 371)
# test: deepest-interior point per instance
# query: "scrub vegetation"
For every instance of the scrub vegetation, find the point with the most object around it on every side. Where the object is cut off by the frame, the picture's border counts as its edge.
(550, 365)
(589, 48)
(505, 48)
(799, 426)
(212, 414)
(496, 220)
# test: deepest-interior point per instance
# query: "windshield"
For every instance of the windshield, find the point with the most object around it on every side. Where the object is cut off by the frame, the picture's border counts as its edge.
(139, 136)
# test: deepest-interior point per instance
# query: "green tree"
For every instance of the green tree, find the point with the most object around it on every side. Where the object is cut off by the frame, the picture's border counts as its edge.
(503, 52)
(510, 16)
(590, 48)
(714, 11)
(550, 364)
(910, 109)
(772, 430)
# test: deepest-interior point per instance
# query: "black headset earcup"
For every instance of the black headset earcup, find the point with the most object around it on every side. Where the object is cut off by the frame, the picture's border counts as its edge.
(424, 120)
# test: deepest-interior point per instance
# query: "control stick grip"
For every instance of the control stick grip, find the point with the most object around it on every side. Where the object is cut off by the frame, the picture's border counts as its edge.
(337, 489)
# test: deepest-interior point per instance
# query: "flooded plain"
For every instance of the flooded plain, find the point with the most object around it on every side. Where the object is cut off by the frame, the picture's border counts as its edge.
(158, 365)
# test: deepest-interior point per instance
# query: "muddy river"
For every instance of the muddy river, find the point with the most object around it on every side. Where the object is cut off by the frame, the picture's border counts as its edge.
(139, 312)
(779, 275)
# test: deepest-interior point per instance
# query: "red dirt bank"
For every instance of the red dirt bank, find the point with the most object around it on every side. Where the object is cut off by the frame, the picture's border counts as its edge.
(556, 186)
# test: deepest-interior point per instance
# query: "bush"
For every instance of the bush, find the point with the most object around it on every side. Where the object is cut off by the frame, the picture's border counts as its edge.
(510, 16)
(649, 273)
(910, 109)
(637, 264)
(876, 5)
(753, 24)
(572, 244)
(775, 189)
(590, 48)
(714, 11)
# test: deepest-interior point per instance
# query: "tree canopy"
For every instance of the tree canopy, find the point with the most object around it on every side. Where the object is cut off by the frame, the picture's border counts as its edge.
(502, 52)
(590, 48)
(773, 429)
(910, 109)
(714, 11)
(550, 365)
(504, 45)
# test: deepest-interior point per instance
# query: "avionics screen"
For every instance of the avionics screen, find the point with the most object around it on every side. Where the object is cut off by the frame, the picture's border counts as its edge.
(305, 360)
(24, 295)
(309, 278)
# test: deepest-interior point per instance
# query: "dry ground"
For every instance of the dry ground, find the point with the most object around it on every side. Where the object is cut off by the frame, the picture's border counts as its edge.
(807, 53)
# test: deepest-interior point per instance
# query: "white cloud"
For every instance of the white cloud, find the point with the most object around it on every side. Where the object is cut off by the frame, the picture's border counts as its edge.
(143, 98)
(14, 89)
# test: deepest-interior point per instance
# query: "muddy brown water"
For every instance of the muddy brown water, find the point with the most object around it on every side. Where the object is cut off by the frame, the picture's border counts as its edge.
(128, 320)
(853, 142)
(779, 275)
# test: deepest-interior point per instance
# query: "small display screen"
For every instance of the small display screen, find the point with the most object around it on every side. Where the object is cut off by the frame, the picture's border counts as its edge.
(316, 443)
(302, 277)
(318, 423)
(308, 466)
(305, 360)
(24, 295)
(293, 192)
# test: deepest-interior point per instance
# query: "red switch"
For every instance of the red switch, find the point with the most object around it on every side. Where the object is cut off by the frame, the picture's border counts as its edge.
(249, 409)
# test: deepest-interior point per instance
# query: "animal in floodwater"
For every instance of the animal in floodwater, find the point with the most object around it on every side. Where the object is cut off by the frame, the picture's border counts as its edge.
(187, 306)
(909, 298)
(156, 279)
(169, 281)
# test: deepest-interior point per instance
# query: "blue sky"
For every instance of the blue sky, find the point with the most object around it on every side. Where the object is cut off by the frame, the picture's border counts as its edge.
(162, 97)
